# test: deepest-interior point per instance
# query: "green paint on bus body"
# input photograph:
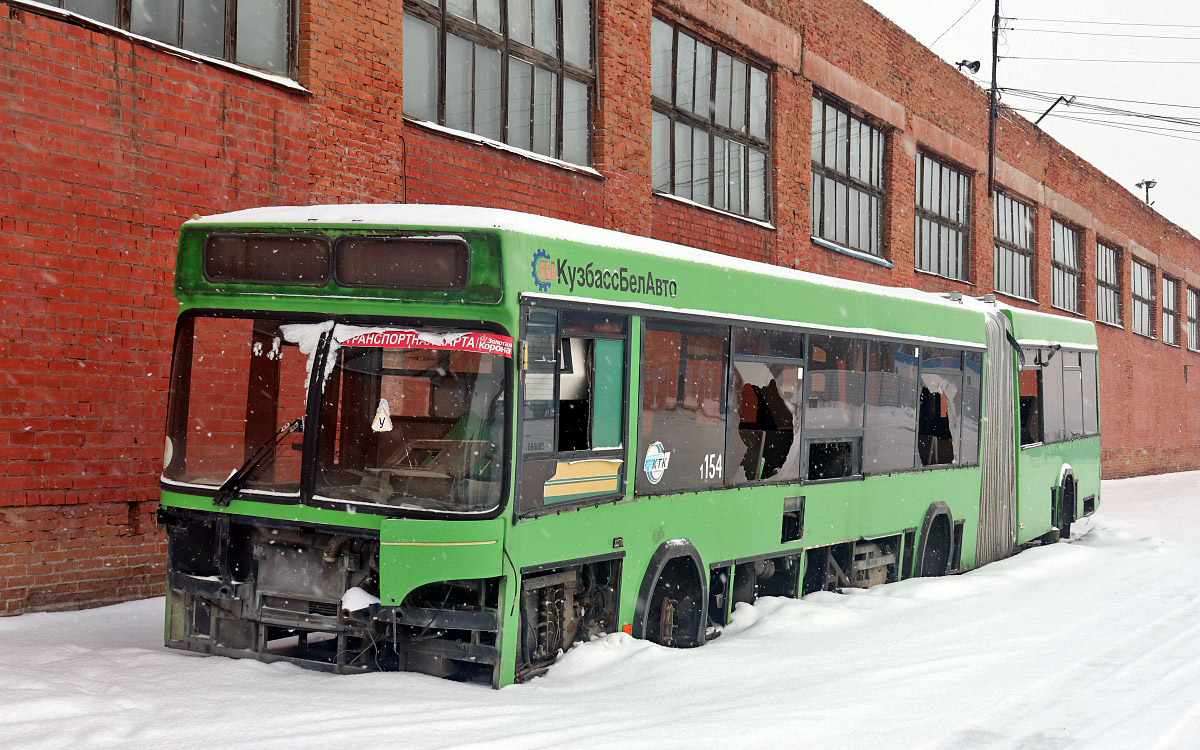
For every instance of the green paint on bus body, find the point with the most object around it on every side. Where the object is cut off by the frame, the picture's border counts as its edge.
(723, 525)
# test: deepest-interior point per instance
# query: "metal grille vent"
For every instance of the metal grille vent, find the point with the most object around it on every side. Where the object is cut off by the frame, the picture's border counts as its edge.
(326, 609)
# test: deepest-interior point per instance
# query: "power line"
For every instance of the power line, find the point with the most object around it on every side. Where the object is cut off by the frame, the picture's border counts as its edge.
(1098, 33)
(1101, 60)
(1105, 23)
(1106, 98)
(1143, 129)
(1114, 111)
(951, 26)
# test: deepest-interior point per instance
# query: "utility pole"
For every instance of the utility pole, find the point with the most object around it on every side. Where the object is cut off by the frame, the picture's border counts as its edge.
(992, 96)
(1065, 100)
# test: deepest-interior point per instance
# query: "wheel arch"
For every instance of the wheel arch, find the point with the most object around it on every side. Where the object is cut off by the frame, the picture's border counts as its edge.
(937, 510)
(667, 553)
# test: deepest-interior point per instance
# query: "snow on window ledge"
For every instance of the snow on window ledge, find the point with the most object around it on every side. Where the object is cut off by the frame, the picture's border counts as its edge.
(463, 135)
(80, 20)
(852, 253)
(718, 211)
(923, 272)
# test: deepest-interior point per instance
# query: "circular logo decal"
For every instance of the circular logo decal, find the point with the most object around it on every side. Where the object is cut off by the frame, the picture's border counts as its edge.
(544, 270)
(656, 462)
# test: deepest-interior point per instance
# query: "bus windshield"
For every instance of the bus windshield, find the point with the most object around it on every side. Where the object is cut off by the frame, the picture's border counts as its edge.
(408, 419)
(235, 382)
(413, 419)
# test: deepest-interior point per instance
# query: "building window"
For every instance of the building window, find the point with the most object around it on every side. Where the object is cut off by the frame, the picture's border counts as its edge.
(943, 219)
(711, 123)
(1066, 269)
(254, 33)
(1170, 311)
(1108, 284)
(1193, 319)
(1141, 284)
(1014, 229)
(528, 82)
(847, 178)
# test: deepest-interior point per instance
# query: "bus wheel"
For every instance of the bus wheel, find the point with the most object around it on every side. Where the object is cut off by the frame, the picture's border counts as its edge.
(674, 612)
(1066, 507)
(933, 556)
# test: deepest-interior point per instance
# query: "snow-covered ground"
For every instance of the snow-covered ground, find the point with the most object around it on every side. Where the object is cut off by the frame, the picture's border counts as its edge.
(1091, 643)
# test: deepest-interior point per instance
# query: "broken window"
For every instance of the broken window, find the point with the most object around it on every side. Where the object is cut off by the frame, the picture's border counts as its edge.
(764, 439)
(939, 417)
(573, 402)
(833, 412)
(682, 435)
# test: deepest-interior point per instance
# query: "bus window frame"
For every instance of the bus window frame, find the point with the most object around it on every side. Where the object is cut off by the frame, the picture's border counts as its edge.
(321, 284)
(963, 347)
(1040, 358)
(343, 239)
(306, 496)
(516, 465)
(178, 370)
(697, 320)
(854, 437)
(962, 375)
(731, 398)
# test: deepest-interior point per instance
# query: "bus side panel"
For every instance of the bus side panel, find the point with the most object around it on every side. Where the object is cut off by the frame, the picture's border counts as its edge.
(413, 553)
(1039, 470)
(735, 524)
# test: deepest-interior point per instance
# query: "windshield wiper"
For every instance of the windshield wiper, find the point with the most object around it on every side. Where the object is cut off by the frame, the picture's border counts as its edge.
(238, 479)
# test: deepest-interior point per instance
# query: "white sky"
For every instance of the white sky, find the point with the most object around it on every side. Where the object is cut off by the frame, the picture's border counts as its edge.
(1128, 157)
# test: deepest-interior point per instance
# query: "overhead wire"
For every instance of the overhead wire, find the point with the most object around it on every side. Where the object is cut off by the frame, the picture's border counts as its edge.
(951, 26)
(1102, 23)
(1099, 33)
(1053, 94)
(1112, 111)
(1100, 60)
(1144, 129)
(1089, 109)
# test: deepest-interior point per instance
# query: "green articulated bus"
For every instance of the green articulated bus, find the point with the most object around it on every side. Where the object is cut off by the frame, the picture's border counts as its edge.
(458, 441)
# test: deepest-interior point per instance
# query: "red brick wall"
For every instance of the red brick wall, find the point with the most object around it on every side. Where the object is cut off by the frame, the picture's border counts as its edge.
(107, 145)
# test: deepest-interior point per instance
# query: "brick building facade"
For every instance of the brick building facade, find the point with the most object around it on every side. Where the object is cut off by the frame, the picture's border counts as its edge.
(110, 140)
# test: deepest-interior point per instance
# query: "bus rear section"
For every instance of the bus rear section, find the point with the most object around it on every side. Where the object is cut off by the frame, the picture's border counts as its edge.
(1058, 464)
